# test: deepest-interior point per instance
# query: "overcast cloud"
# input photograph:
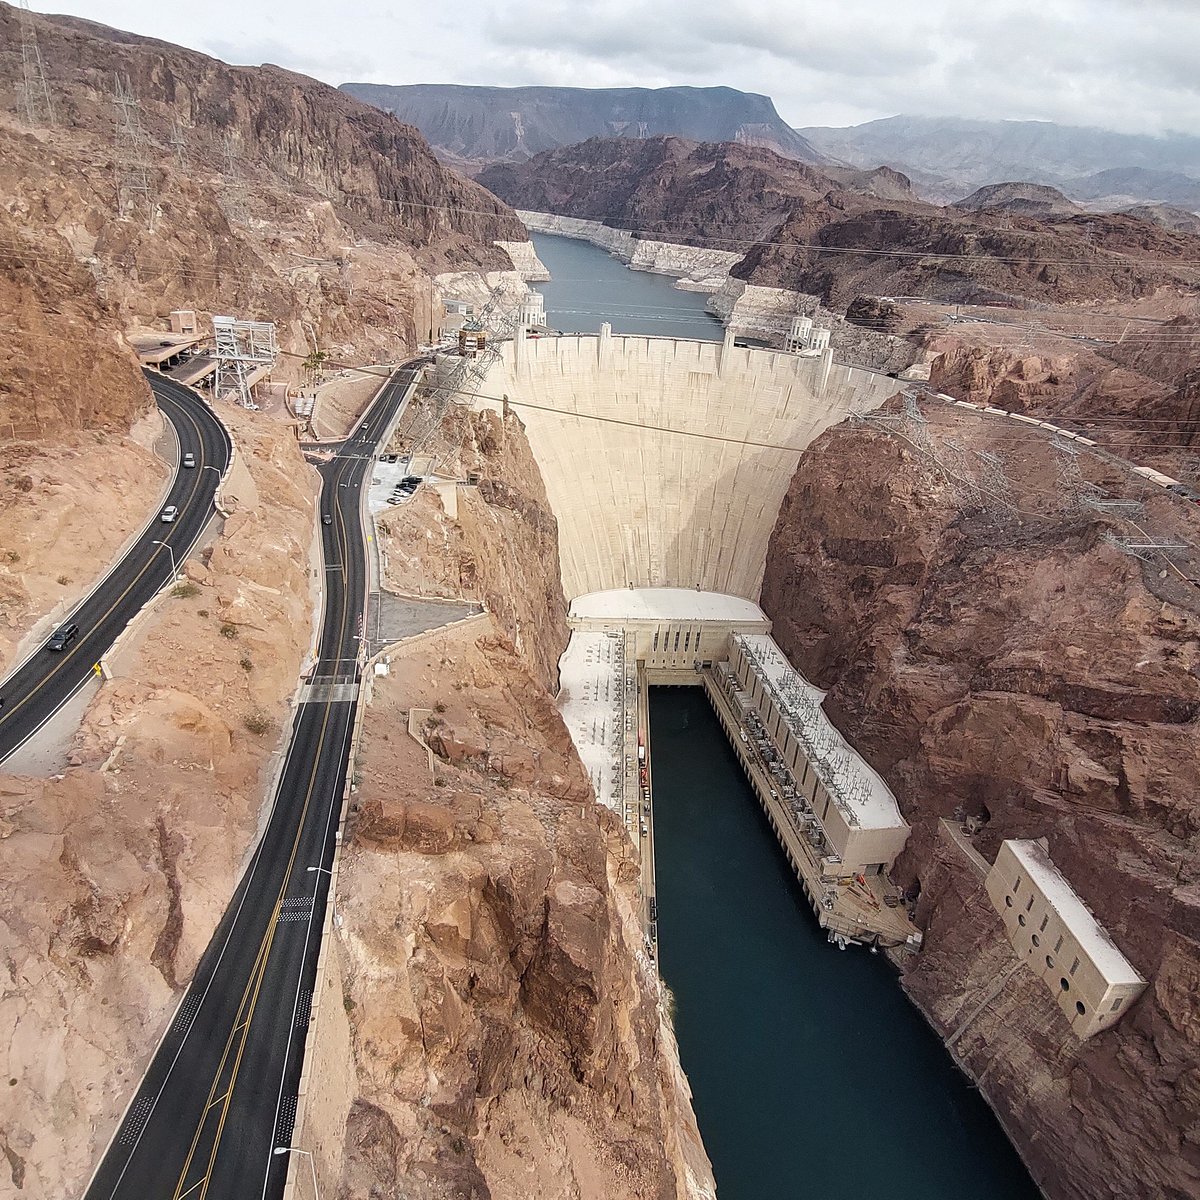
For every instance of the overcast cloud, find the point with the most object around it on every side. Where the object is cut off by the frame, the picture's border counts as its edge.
(1128, 65)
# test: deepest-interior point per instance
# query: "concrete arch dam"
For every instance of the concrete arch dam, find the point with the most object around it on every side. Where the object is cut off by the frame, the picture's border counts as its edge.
(679, 483)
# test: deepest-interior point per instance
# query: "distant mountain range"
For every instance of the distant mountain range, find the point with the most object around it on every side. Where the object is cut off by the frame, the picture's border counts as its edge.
(947, 157)
(472, 126)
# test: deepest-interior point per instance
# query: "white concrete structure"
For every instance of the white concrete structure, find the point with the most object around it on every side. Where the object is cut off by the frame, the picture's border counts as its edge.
(532, 314)
(1060, 940)
(672, 629)
(817, 767)
(665, 460)
(804, 335)
(593, 705)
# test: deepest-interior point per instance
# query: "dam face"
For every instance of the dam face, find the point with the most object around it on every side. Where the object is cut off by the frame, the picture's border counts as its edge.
(679, 481)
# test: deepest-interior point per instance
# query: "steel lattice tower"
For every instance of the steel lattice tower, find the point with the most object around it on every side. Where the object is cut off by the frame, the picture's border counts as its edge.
(39, 108)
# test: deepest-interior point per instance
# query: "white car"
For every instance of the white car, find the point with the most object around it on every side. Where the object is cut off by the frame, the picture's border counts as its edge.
(189, 459)
(169, 514)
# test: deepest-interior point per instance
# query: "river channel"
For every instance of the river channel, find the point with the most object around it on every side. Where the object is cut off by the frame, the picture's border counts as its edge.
(812, 1075)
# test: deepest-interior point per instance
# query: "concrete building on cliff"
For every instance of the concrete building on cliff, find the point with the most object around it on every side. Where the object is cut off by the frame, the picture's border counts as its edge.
(1060, 940)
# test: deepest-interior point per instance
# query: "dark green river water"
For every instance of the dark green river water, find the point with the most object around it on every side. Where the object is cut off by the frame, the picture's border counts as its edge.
(812, 1075)
(590, 287)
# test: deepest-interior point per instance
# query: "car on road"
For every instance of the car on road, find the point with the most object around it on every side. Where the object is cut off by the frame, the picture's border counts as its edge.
(326, 519)
(189, 459)
(63, 636)
(169, 514)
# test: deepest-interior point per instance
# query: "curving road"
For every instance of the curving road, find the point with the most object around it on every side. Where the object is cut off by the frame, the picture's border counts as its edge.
(47, 680)
(220, 1093)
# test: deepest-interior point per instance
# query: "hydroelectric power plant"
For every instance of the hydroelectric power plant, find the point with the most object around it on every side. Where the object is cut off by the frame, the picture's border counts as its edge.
(665, 461)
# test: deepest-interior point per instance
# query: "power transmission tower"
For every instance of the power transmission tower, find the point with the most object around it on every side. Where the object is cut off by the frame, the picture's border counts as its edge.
(179, 144)
(132, 170)
(233, 194)
(1074, 491)
(39, 109)
(956, 466)
(245, 350)
(994, 482)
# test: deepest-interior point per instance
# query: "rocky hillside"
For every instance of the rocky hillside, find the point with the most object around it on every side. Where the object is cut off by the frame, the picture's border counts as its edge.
(722, 195)
(989, 257)
(948, 156)
(267, 194)
(1031, 674)
(1146, 387)
(472, 126)
(838, 234)
(1024, 199)
(1182, 220)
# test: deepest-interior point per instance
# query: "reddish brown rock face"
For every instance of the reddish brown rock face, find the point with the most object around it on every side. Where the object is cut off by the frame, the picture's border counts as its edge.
(1031, 674)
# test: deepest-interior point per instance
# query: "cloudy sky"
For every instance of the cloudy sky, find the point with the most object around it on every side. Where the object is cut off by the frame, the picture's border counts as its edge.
(1129, 65)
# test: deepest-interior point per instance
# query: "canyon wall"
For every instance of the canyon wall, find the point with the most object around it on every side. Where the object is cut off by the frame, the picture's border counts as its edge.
(622, 429)
(493, 1025)
(1019, 668)
(267, 195)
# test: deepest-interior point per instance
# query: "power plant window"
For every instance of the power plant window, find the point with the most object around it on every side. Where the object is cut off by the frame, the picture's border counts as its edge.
(1074, 967)
(1079, 1007)
(1065, 984)
(1117, 1003)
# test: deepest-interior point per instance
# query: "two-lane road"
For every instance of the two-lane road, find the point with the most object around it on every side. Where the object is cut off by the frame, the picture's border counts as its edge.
(220, 1093)
(47, 679)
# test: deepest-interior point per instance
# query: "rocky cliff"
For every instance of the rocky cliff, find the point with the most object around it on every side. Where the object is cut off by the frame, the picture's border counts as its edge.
(472, 126)
(1020, 669)
(507, 1037)
(706, 194)
(496, 1028)
(253, 191)
(1139, 396)
(987, 257)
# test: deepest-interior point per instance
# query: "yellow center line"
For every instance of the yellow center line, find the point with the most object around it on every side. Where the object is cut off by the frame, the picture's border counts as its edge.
(66, 658)
(258, 972)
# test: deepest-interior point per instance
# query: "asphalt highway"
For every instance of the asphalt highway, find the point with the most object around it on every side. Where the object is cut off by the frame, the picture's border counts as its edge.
(47, 679)
(220, 1092)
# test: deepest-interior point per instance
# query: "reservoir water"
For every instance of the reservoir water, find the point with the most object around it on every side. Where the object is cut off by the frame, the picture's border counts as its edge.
(812, 1075)
(589, 286)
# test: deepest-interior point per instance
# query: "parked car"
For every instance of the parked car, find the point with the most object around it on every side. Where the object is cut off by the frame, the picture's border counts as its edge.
(169, 514)
(63, 636)
(189, 459)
